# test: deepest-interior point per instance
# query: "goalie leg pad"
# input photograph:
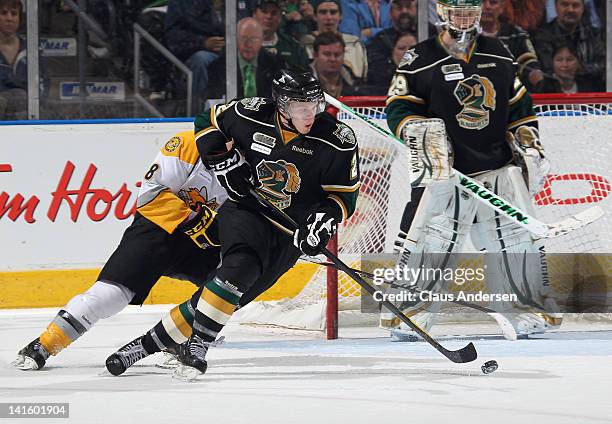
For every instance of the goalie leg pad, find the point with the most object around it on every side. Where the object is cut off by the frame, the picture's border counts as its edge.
(440, 225)
(519, 265)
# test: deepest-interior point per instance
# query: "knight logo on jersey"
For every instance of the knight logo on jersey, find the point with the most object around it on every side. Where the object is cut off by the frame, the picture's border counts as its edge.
(345, 134)
(279, 180)
(172, 144)
(409, 57)
(253, 103)
(475, 94)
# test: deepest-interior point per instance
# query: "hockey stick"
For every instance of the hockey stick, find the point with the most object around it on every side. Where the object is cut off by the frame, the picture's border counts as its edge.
(504, 324)
(465, 354)
(490, 199)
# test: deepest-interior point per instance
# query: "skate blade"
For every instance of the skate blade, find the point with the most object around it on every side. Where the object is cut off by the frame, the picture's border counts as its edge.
(168, 362)
(505, 325)
(185, 373)
(25, 364)
(105, 373)
(18, 361)
(401, 336)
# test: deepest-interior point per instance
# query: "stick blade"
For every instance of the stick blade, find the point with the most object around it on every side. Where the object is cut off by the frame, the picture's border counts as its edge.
(575, 222)
(463, 355)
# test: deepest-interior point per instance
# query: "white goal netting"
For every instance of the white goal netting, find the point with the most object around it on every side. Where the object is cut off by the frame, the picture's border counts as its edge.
(578, 140)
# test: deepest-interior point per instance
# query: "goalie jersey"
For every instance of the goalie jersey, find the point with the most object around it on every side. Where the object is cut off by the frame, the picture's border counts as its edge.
(176, 183)
(479, 99)
(295, 172)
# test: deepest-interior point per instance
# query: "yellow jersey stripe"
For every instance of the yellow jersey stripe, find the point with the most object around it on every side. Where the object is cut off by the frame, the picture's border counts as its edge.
(522, 121)
(412, 99)
(166, 210)
(339, 201)
(518, 96)
(342, 189)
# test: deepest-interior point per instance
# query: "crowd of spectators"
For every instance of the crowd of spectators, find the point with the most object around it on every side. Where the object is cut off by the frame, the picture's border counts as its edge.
(13, 67)
(354, 46)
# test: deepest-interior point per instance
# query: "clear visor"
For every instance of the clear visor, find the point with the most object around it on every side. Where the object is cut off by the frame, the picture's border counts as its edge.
(463, 18)
(304, 110)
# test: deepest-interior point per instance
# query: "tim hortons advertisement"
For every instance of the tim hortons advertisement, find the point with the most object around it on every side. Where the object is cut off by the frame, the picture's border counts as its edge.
(67, 192)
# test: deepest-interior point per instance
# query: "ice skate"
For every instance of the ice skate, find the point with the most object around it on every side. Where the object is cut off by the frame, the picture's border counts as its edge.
(425, 320)
(32, 357)
(192, 359)
(125, 357)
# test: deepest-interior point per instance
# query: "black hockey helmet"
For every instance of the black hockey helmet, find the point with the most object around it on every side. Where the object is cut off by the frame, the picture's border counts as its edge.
(290, 86)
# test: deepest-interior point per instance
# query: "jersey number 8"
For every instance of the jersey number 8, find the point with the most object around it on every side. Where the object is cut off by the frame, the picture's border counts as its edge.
(151, 171)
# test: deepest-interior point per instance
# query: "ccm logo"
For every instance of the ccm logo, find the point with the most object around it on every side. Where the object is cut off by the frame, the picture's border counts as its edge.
(228, 163)
(600, 188)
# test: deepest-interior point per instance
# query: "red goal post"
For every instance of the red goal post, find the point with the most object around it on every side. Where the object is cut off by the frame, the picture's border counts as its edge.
(567, 116)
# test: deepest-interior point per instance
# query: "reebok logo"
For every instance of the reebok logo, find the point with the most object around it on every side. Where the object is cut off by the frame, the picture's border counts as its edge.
(302, 150)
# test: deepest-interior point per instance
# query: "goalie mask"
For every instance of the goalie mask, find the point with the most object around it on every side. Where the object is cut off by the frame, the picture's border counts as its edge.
(298, 96)
(461, 18)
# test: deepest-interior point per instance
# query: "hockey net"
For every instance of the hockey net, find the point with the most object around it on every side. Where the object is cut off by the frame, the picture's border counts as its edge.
(575, 132)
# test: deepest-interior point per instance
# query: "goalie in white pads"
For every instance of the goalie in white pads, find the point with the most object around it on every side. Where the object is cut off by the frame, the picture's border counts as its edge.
(468, 84)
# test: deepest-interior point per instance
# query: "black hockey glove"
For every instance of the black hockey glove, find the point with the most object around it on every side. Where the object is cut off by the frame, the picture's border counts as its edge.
(313, 236)
(234, 174)
(203, 228)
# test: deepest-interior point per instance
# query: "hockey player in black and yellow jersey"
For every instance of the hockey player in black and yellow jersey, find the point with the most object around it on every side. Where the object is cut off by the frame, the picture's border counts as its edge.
(470, 82)
(173, 234)
(296, 155)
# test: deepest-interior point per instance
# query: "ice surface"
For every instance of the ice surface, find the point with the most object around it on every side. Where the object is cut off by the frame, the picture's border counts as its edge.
(272, 376)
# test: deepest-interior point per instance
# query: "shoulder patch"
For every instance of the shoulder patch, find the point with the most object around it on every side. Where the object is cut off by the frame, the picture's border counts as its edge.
(253, 103)
(173, 144)
(345, 134)
(410, 56)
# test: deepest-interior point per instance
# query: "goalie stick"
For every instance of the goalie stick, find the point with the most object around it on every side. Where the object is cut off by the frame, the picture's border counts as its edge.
(504, 324)
(490, 199)
(466, 354)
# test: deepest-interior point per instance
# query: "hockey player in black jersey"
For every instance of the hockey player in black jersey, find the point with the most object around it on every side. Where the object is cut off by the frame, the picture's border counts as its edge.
(296, 155)
(470, 82)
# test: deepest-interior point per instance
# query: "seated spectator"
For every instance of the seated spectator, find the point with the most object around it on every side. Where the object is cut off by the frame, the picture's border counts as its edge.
(299, 18)
(565, 78)
(526, 14)
(256, 67)
(591, 12)
(195, 33)
(380, 78)
(328, 15)
(13, 65)
(515, 39)
(268, 14)
(570, 28)
(365, 18)
(328, 67)
(380, 50)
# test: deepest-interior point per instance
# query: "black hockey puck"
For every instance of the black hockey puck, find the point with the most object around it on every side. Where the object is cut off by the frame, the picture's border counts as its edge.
(489, 367)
